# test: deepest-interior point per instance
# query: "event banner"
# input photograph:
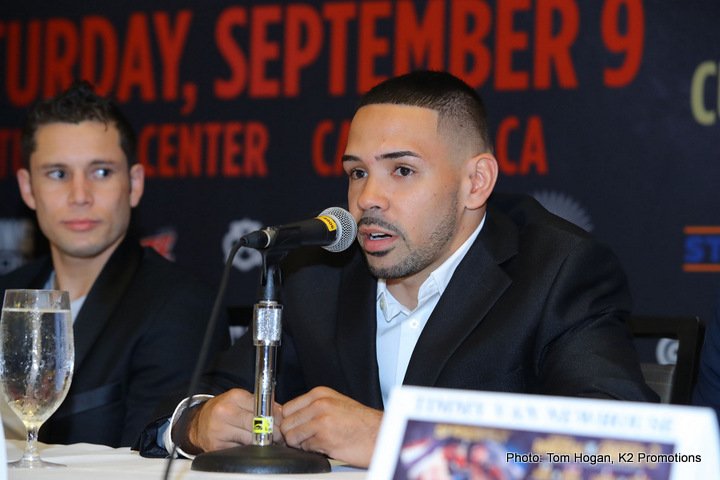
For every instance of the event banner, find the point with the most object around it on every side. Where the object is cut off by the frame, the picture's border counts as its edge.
(606, 111)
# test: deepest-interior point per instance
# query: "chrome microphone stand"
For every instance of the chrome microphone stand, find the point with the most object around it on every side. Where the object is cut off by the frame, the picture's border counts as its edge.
(263, 456)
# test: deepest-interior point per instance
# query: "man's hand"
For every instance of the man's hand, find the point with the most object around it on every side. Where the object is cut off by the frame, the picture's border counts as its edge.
(325, 421)
(226, 421)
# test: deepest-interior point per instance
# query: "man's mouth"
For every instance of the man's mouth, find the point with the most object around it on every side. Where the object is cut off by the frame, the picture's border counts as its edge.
(80, 225)
(378, 236)
(375, 239)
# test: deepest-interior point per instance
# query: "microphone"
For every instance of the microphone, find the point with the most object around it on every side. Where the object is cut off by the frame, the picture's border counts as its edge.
(334, 230)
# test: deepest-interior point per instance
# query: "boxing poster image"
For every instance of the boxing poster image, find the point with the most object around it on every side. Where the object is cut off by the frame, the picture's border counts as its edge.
(446, 451)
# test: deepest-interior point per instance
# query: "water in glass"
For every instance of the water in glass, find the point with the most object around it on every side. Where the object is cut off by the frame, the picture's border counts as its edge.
(36, 360)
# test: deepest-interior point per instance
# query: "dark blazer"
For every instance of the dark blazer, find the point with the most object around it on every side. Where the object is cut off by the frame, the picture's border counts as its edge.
(137, 336)
(536, 306)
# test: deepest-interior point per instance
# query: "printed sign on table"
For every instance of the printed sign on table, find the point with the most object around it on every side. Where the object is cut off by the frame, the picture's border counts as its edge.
(437, 434)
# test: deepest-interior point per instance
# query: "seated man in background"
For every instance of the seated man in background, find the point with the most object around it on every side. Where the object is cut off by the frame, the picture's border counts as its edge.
(81, 179)
(451, 285)
(707, 389)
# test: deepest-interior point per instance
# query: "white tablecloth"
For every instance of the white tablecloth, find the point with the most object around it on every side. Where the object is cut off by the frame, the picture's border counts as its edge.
(97, 462)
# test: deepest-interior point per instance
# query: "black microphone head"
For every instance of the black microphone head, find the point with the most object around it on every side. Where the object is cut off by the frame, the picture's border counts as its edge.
(346, 226)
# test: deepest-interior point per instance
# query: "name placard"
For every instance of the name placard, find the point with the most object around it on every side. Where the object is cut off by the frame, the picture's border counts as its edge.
(440, 433)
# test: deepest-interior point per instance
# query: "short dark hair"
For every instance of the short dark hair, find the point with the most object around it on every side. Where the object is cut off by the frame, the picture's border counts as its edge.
(459, 106)
(77, 104)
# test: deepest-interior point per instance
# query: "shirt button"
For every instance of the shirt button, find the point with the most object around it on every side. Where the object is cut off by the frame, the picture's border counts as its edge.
(414, 323)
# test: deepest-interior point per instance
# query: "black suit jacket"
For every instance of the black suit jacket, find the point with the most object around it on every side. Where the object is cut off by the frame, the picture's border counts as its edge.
(137, 336)
(536, 306)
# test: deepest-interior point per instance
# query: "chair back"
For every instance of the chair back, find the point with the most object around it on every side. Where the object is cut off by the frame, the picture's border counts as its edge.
(674, 383)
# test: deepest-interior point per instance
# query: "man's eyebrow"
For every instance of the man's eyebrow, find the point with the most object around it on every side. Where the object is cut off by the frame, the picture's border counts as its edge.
(400, 154)
(384, 156)
(103, 161)
(51, 166)
(93, 164)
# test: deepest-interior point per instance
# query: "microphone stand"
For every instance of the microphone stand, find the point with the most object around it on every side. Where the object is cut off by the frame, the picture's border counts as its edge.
(263, 456)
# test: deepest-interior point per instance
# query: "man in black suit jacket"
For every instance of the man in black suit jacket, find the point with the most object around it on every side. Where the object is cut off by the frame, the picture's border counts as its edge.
(79, 179)
(450, 287)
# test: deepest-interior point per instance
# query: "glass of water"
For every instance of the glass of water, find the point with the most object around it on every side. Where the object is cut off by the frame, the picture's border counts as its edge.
(37, 354)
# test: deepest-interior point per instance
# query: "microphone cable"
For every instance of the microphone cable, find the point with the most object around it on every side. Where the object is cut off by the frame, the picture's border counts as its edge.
(209, 330)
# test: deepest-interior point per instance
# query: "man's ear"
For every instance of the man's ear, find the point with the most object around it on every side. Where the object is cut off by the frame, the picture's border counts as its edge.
(23, 179)
(482, 173)
(137, 184)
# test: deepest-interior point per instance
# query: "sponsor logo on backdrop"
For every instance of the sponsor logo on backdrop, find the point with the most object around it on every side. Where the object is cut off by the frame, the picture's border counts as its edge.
(162, 242)
(666, 351)
(246, 258)
(705, 93)
(16, 243)
(702, 248)
(566, 207)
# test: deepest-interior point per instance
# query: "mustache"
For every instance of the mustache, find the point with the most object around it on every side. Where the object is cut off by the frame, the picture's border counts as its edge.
(378, 222)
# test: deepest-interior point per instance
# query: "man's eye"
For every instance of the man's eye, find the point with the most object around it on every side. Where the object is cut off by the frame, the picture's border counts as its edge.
(102, 172)
(403, 171)
(56, 174)
(357, 174)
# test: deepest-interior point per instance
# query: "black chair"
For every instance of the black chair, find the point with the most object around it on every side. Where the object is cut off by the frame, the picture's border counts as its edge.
(674, 383)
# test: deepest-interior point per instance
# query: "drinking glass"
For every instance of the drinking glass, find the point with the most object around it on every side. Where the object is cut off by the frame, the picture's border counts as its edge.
(37, 355)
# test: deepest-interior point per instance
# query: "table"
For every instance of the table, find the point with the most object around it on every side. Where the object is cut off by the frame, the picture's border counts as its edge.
(98, 462)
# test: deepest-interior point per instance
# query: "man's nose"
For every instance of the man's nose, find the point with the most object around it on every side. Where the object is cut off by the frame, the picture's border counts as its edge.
(80, 191)
(373, 195)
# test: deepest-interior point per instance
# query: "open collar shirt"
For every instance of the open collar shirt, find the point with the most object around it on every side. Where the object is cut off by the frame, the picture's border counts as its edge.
(399, 328)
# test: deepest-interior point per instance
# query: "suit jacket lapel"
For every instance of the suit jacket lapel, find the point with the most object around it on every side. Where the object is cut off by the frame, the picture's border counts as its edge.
(476, 285)
(356, 333)
(106, 292)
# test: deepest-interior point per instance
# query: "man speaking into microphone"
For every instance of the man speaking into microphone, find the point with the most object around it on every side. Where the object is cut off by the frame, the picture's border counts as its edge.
(450, 285)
